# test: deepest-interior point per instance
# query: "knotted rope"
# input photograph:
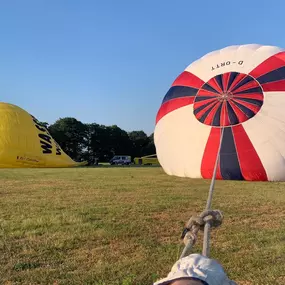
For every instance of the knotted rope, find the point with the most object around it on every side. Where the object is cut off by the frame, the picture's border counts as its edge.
(196, 223)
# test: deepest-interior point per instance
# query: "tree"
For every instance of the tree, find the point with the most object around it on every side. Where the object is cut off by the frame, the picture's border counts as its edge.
(119, 140)
(93, 141)
(139, 141)
(106, 141)
(97, 143)
(150, 147)
(70, 134)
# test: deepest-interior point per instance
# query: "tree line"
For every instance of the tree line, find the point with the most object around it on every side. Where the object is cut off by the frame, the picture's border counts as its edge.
(93, 141)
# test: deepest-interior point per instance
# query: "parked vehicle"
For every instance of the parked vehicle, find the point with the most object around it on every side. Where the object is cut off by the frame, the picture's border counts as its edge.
(147, 160)
(121, 160)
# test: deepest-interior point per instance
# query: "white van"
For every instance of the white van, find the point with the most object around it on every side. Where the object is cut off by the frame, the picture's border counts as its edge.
(121, 159)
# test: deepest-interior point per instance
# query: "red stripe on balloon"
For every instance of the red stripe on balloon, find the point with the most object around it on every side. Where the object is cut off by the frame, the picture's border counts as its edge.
(224, 115)
(203, 92)
(226, 77)
(198, 104)
(210, 155)
(188, 79)
(250, 106)
(250, 163)
(172, 105)
(204, 110)
(213, 83)
(274, 62)
(239, 113)
(274, 86)
(238, 78)
(256, 96)
(246, 86)
(210, 117)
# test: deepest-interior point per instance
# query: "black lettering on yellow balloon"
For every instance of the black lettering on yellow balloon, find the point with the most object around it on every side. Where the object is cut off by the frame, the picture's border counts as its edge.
(46, 147)
(58, 149)
(42, 129)
(58, 152)
(45, 137)
(38, 125)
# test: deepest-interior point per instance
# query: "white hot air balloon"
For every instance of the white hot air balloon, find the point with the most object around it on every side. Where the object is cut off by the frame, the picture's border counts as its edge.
(240, 89)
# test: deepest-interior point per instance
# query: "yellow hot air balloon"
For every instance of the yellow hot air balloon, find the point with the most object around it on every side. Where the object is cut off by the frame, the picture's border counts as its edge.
(24, 142)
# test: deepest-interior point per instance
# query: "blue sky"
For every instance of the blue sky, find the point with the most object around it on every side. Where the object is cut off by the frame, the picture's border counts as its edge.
(111, 62)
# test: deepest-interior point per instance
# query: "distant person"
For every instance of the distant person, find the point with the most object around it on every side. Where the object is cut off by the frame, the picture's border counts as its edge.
(196, 269)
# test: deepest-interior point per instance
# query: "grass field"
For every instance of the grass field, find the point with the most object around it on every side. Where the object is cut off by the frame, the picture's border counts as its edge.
(122, 226)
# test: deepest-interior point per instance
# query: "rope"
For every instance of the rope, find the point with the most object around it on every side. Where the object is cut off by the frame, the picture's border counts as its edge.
(207, 229)
(207, 219)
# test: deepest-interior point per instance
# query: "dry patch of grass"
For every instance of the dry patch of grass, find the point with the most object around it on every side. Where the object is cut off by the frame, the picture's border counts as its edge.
(122, 226)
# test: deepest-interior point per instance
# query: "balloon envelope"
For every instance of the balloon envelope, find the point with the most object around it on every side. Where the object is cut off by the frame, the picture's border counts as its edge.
(25, 142)
(240, 89)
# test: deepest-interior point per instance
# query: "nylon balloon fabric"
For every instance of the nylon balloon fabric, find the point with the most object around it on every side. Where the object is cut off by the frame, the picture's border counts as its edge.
(239, 88)
(25, 142)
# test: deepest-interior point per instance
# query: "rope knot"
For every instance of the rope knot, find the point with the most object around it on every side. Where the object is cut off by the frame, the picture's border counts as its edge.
(196, 223)
(214, 217)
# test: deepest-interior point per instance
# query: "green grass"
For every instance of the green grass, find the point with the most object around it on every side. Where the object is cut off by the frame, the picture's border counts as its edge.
(122, 226)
